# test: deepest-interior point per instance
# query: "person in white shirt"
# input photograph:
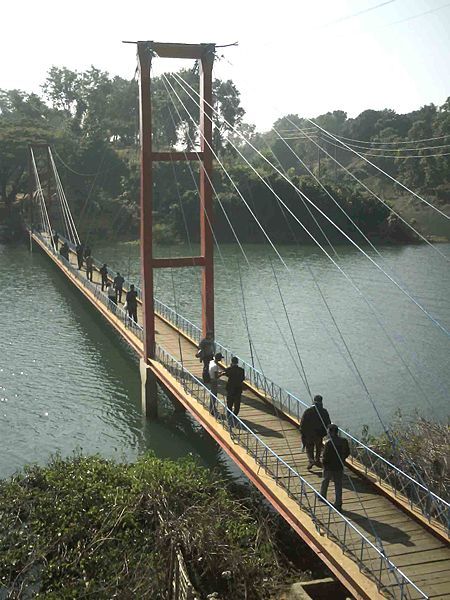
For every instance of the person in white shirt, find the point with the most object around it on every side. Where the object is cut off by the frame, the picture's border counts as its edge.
(214, 373)
(112, 295)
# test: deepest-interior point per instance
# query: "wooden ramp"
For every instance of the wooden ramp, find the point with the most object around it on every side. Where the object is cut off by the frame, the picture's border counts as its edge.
(376, 547)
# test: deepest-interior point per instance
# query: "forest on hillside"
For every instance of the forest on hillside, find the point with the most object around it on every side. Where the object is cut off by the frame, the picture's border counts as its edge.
(91, 119)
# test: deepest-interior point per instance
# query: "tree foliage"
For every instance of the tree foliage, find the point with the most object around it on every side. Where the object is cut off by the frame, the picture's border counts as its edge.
(89, 527)
(92, 120)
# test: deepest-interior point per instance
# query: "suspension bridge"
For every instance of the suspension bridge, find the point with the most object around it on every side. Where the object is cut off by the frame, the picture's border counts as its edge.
(391, 540)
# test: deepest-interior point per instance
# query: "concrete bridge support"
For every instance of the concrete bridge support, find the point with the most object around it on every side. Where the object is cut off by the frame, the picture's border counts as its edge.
(149, 391)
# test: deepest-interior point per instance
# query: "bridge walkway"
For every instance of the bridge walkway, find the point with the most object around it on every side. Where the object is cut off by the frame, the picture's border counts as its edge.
(267, 447)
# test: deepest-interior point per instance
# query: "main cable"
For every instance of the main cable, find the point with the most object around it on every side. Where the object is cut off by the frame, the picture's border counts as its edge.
(423, 309)
(357, 370)
(393, 211)
(381, 170)
(354, 285)
(342, 137)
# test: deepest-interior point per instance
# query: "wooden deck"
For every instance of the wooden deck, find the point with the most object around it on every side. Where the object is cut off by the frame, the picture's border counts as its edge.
(423, 557)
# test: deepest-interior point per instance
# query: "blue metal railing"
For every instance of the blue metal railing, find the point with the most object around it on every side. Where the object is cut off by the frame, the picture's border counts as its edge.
(327, 519)
(430, 505)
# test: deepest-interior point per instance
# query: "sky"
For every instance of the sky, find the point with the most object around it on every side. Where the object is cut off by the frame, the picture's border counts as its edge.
(293, 56)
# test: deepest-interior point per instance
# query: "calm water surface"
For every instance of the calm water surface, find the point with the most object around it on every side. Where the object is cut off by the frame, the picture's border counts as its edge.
(67, 382)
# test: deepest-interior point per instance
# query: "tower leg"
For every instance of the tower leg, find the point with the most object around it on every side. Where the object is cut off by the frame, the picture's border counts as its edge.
(149, 391)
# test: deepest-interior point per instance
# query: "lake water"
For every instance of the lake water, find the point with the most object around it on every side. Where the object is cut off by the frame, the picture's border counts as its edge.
(67, 382)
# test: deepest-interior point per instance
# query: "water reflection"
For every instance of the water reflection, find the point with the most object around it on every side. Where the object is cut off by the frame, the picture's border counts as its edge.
(67, 381)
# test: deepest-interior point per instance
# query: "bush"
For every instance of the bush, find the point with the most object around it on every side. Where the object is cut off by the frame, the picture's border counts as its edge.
(87, 526)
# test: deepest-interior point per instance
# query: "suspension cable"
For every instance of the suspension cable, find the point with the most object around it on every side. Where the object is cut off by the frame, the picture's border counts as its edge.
(76, 237)
(303, 373)
(360, 377)
(422, 308)
(365, 387)
(393, 211)
(375, 312)
(391, 156)
(294, 136)
(43, 205)
(382, 171)
(354, 285)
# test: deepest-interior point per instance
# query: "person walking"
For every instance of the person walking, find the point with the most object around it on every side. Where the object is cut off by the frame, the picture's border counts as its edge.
(335, 452)
(131, 299)
(89, 267)
(87, 251)
(236, 376)
(205, 353)
(313, 428)
(118, 286)
(64, 250)
(55, 240)
(79, 249)
(104, 273)
(214, 374)
(111, 292)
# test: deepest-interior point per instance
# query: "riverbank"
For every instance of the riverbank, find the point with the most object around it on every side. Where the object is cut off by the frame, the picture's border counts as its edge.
(418, 446)
(90, 525)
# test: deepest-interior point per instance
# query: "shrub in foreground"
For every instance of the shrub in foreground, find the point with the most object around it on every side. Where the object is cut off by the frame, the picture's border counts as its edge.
(90, 527)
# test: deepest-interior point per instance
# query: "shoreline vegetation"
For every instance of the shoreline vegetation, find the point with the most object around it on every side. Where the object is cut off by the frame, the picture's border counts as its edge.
(418, 446)
(91, 120)
(88, 526)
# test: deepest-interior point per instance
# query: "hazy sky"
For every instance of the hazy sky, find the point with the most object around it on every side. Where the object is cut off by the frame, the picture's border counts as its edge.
(299, 56)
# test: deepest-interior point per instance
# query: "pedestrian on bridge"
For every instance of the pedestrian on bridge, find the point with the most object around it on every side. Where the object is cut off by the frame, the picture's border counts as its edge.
(64, 251)
(118, 286)
(112, 294)
(214, 374)
(131, 299)
(236, 376)
(104, 273)
(79, 249)
(313, 428)
(334, 455)
(205, 353)
(55, 240)
(89, 267)
(87, 251)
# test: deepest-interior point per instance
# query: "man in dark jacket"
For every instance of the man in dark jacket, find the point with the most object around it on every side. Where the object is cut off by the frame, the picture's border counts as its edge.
(236, 376)
(313, 428)
(132, 303)
(206, 351)
(89, 267)
(118, 286)
(64, 251)
(79, 249)
(104, 273)
(334, 455)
